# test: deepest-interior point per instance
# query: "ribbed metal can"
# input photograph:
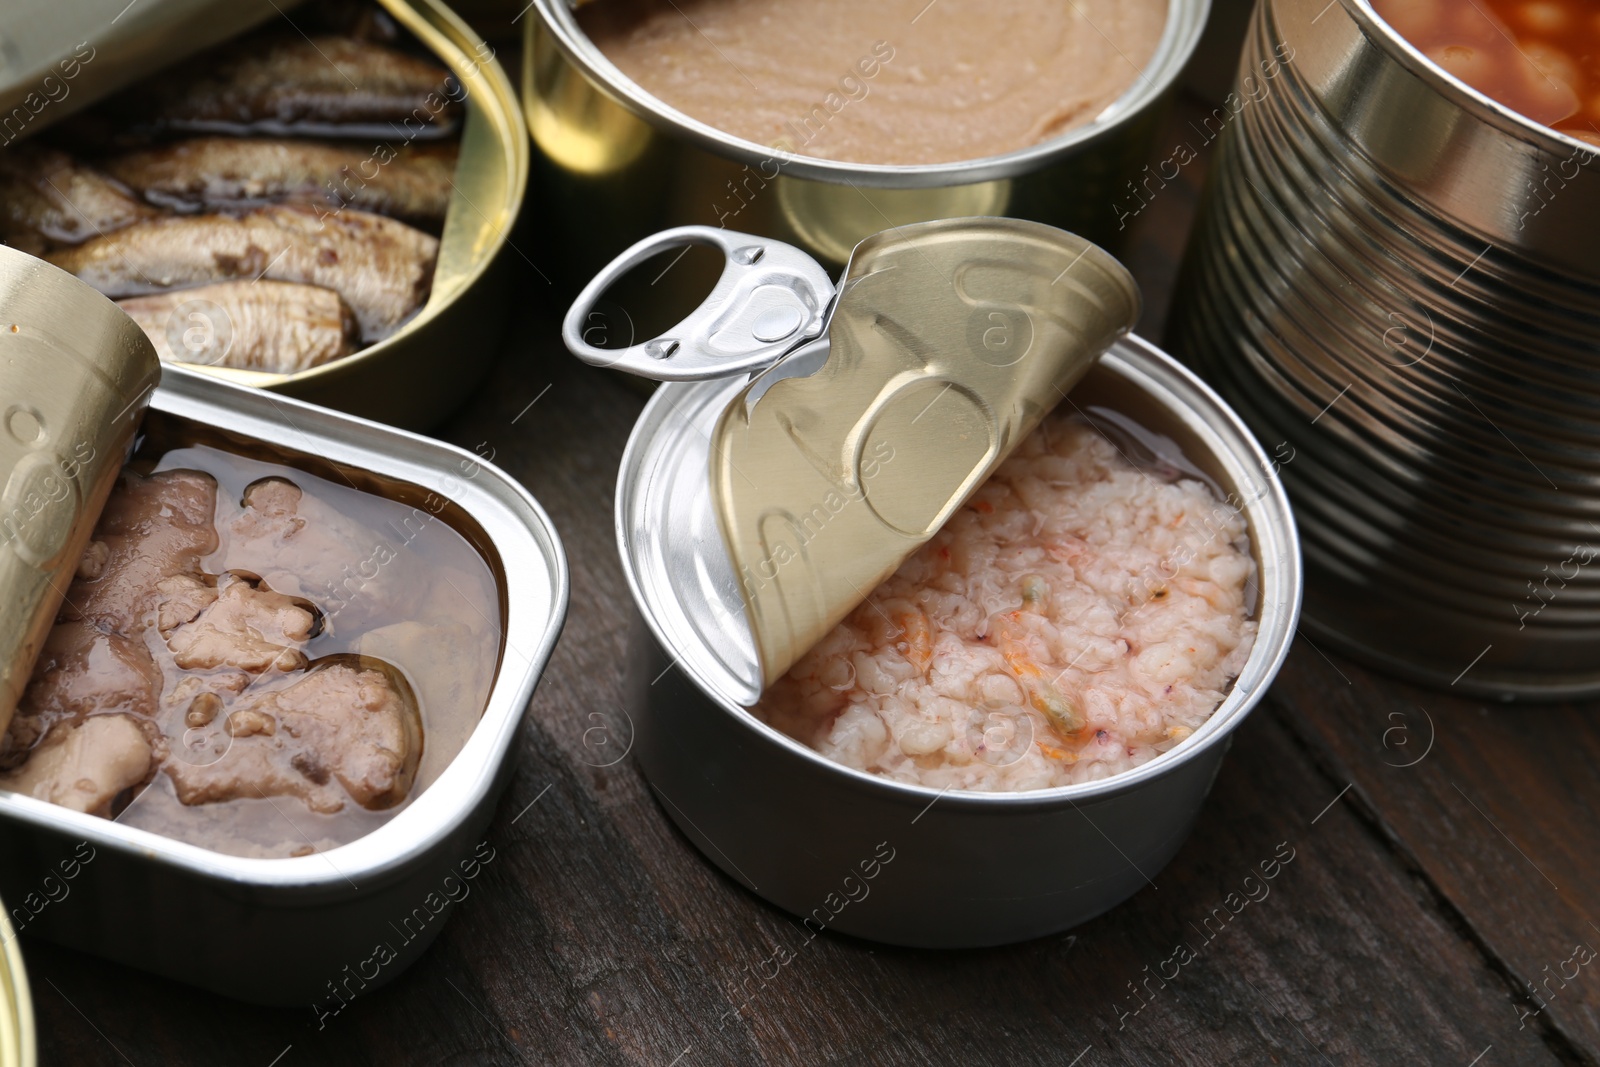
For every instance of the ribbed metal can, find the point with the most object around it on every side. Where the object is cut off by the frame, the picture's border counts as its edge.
(1396, 282)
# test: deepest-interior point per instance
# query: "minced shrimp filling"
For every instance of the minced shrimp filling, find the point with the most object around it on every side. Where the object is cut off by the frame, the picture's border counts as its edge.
(1078, 617)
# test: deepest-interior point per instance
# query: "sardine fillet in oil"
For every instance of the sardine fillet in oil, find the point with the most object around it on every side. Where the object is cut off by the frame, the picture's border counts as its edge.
(46, 195)
(382, 268)
(265, 325)
(279, 83)
(218, 172)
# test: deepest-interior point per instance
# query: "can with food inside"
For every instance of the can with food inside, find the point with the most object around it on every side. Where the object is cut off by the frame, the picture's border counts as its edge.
(274, 661)
(319, 206)
(820, 124)
(1396, 279)
(18, 1045)
(949, 591)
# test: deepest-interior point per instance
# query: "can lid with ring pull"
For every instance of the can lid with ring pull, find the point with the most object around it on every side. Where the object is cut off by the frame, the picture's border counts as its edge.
(770, 298)
(875, 407)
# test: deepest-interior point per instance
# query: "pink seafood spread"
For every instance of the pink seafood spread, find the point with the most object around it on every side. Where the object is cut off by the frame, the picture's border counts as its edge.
(1078, 617)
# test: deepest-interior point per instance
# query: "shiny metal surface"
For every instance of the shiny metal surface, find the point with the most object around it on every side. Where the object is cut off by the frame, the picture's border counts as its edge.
(1398, 279)
(949, 341)
(618, 164)
(424, 371)
(770, 298)
(977, 325)
(968, 869)
(426, 368)
(75, 375)
(291, 931)
(51, 51)
(18, 1042)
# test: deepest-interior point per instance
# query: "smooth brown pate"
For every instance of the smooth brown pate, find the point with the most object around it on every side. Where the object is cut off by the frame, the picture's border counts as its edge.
(889, 81)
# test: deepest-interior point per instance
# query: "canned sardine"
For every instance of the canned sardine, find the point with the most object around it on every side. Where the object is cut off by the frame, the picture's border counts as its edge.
(298, 208)
(1002, 659)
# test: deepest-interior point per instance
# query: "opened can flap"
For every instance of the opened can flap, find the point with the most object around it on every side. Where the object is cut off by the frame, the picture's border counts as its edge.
(75, 377)
(948, 343)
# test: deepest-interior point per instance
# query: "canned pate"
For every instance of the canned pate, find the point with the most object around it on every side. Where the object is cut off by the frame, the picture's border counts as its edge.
(285, 659)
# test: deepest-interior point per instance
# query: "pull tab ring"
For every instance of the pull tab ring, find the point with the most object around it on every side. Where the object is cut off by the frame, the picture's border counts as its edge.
(770, 298)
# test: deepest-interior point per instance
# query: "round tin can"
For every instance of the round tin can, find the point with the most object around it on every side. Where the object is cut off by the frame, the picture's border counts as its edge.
(864, 855)
(404, 378)
(17, 1041)
(1398, 278)
(619, 164)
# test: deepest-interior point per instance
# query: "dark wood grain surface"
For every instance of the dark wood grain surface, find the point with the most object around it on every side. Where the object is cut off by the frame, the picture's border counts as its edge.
(1438, 902)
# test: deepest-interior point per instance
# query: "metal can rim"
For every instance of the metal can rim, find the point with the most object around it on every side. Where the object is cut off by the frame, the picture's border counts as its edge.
(1180, 35)
(536, 569)
(458, 46)
(1272, 529)
(1477, 104)
(18, 1046)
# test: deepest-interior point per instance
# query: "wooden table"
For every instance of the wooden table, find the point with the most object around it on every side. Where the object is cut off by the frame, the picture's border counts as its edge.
(1439, 907)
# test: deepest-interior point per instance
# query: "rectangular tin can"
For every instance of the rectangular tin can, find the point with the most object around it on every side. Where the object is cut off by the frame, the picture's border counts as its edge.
(303, 930)
(952, 869)
(406, 378)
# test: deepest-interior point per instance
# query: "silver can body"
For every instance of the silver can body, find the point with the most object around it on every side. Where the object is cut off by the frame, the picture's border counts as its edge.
(1400, 278)
(853, 852)
(617, 164)
(305, 931)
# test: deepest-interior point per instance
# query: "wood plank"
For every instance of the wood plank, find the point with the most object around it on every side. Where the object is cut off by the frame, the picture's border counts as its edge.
(598, 935)
(1494, 804)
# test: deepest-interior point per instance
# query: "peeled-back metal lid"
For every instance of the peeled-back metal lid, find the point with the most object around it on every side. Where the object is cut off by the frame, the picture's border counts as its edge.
(874, 410)
(75, 377)
(57, 56)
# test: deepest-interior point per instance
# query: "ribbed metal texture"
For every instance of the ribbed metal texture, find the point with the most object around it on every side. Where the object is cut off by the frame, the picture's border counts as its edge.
(1396, 283)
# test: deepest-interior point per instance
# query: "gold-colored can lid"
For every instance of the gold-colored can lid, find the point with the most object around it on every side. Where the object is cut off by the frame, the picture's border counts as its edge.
(877, 407)
(58, 56)
(18, 1045)
(75, 377)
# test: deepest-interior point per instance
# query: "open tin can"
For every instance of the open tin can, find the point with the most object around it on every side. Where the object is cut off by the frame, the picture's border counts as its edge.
(262, 924)
(18, 1045)
(1397, 277)
(841, 847)
(620, 164)
(402, 377)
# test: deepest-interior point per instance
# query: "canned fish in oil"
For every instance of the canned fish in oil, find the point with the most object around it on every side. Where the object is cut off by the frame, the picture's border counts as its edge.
(1394, 280)
(964, 867)
(400, 376)
(271, 923)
